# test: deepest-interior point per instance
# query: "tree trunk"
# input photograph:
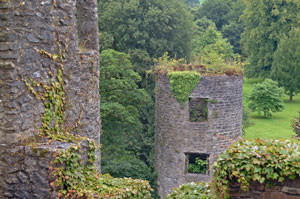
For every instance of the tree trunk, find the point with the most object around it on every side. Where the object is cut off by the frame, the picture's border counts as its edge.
(291, 98)
(265, 114)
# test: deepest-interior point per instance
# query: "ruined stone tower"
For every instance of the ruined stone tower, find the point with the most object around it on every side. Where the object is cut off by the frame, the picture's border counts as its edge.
(200, 129)
(30, 32)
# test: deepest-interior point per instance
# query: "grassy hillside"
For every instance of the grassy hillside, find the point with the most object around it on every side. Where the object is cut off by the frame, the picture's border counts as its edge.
(278, 126)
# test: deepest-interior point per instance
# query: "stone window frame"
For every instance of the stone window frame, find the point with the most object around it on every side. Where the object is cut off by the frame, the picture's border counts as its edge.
(201, 112)
(203, 156)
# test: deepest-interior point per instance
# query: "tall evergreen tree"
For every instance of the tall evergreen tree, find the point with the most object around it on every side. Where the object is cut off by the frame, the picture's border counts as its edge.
(266, 21)
(286, 63)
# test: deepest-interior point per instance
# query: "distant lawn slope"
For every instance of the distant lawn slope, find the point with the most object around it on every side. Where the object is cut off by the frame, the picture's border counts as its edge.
(278, 126)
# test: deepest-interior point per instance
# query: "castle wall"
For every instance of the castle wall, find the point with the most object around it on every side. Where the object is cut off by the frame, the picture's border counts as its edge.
(26, 28)
(288, 189)
(175, 135)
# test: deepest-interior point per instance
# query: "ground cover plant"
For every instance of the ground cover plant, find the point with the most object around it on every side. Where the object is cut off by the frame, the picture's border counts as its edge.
(279, 126)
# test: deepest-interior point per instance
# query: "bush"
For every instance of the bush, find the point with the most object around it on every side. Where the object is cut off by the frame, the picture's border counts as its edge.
(255, 160)
(296, 125)
(191, 191)
(266, 97)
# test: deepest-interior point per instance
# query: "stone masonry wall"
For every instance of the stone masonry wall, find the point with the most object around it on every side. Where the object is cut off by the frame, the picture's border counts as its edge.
(26, 27)
(175, 135)
(289, 189)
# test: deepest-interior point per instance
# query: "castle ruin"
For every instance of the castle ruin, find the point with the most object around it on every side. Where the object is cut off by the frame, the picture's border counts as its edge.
(202, 128)
(32, 34)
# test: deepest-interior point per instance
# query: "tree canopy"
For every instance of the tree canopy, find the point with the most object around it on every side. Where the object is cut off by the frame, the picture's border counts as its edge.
(266, 97)
(266, 21)
(154, 26)
(286, 63)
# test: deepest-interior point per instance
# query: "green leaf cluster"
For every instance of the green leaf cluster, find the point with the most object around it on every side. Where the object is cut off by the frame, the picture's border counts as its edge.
(200, 166)
(126, 145)
(182, 83)
(296, 125)
(262, 161)
(191, 191)
(266, 97)
(80, 179)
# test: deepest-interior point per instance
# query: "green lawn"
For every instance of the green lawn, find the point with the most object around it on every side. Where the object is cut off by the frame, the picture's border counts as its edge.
(278, 126)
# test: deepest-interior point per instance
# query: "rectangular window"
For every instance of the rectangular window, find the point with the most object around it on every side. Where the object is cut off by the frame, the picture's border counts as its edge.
(198, 109)
(197, 163)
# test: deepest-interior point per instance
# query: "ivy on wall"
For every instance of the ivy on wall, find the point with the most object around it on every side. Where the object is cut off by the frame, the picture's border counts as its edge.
(182, 84)
(262, 161)
(259, 161)
(74, 175)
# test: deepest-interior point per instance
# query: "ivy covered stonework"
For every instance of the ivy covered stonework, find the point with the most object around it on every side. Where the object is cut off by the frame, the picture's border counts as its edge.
(183, 83)
(262, 161)
(73, 170)
(247, 161)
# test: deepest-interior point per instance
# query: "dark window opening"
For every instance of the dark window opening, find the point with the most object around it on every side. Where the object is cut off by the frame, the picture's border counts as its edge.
(198, 109)
(197, 163)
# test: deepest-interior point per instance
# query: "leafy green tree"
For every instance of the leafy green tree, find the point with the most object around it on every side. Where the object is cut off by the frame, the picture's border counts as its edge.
(154, 26)
(122, 139)
(226, 15)
(215, 10)
(266, 22)
(266, 97)
(209, 44)
(234, 27)
(286, 63)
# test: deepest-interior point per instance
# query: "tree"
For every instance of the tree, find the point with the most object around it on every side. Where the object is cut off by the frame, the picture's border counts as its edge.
(209, 44)
(266, 97)
(266, 21)
(286, 63)
(215, 10)
(154, 26)
(122, 139)
(234, 27)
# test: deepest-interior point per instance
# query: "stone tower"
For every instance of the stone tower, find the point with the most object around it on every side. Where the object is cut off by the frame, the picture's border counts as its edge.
(202, 128)
(29, 29)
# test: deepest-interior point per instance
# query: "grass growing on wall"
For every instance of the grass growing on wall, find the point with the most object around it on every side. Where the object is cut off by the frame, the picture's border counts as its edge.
(278, 126)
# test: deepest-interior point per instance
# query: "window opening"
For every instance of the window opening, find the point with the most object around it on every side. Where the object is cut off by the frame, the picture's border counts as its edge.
(198, 109)
(197, 163)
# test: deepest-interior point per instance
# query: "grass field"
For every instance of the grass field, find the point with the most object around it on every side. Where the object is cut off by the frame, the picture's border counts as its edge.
(278, 126)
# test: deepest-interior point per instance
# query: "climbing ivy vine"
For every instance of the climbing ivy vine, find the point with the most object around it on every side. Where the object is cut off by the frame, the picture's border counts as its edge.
(262, 161)
(183, 83)
(75, 176)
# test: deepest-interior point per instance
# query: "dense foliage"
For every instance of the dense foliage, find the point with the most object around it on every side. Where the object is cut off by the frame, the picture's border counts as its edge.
(183, 83)
(209, 42)
(266, 97)
(266, 22)
(200, 166)
(191, 191)
(153, 26)
(81, 180)
(286, 63)
(225, 14)
(258, 160)
(126, 150)
(296, 125)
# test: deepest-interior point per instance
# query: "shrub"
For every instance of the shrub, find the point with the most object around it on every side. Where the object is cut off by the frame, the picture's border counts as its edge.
(266, 97)
(255, 160)
(191, 191)
(296, 125)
